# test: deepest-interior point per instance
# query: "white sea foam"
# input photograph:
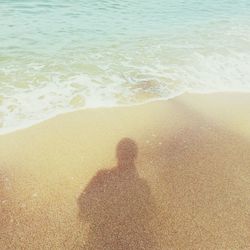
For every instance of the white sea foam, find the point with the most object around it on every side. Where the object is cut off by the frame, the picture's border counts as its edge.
(62, 56)
(210, 73)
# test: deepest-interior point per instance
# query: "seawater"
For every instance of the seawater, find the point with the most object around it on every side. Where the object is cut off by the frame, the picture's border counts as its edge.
(58, 56)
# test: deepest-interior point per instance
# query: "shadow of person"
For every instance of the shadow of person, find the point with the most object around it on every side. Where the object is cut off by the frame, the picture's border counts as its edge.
(117, 205)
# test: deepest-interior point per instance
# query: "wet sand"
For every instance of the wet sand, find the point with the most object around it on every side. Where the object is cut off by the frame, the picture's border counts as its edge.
(193, 165)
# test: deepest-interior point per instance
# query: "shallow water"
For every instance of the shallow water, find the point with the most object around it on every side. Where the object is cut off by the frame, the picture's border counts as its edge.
(58, 56)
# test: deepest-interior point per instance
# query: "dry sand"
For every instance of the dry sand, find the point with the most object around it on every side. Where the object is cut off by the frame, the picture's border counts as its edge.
(194, 161)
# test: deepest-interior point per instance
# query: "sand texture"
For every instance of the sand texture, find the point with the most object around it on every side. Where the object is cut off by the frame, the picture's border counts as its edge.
(189, 187)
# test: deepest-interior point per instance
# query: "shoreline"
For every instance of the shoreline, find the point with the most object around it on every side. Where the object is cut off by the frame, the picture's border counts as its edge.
(194, 154)
(7, 131)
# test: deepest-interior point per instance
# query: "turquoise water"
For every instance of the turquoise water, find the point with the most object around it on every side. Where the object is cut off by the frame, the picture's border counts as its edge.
(57, 56)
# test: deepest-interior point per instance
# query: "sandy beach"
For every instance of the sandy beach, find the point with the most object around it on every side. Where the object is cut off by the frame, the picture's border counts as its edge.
(191, 192)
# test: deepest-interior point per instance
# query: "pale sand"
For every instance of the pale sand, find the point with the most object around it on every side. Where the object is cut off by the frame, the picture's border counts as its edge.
(194, 153)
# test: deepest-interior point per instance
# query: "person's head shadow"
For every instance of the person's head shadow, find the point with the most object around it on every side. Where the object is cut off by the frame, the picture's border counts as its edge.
(126, 153)
(117, 205)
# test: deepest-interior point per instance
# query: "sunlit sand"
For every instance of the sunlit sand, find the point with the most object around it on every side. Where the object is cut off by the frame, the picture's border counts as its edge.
(190, 191)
